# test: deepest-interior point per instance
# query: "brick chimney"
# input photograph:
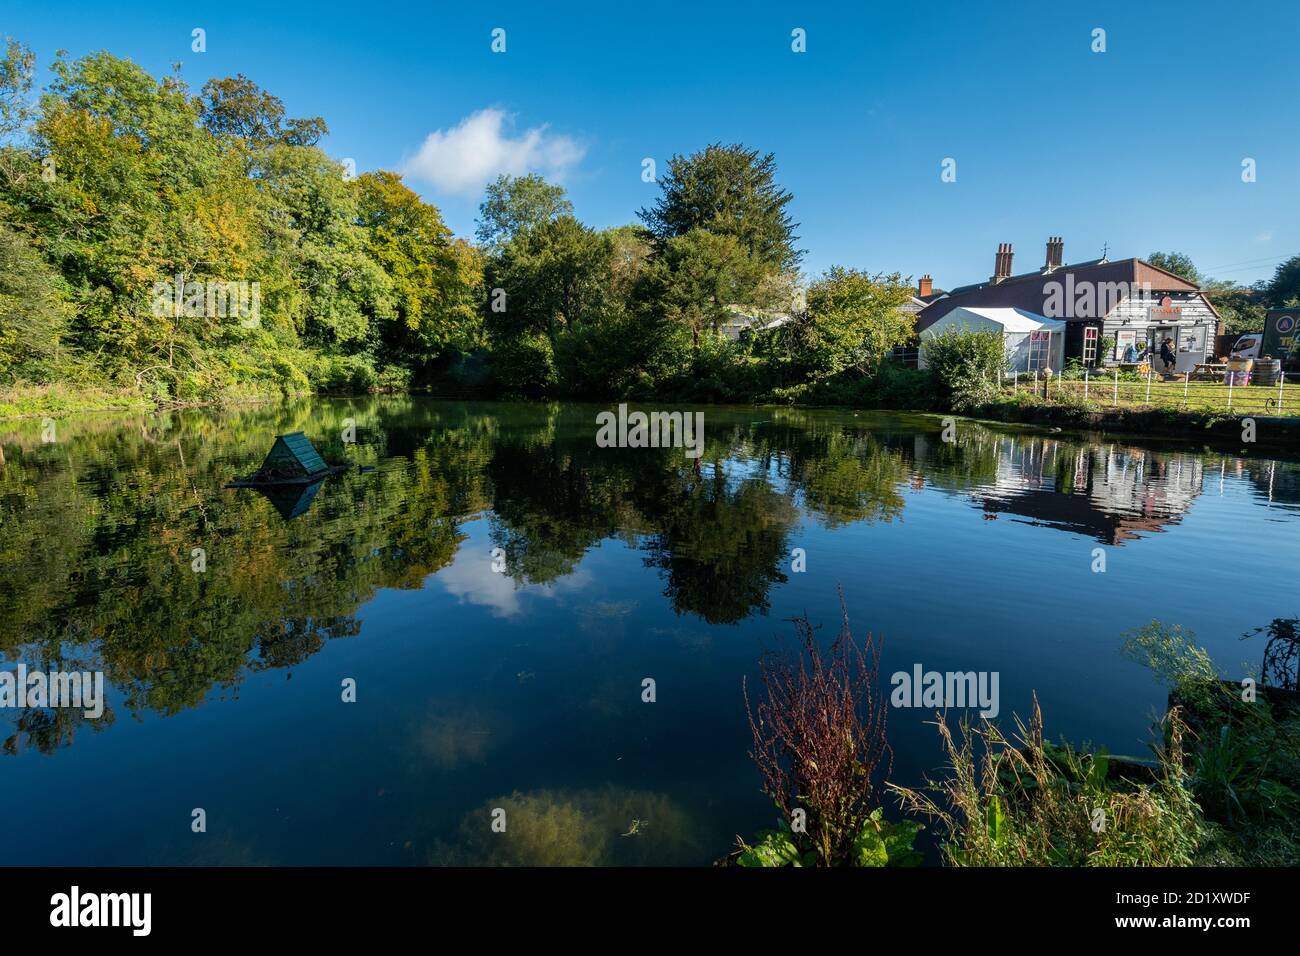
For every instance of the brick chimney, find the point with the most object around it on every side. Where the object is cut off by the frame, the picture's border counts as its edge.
(925, 286)
(1055, 253)
(1002, 263)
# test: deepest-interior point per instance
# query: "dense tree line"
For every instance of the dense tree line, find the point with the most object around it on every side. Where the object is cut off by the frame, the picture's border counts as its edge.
(126, 200)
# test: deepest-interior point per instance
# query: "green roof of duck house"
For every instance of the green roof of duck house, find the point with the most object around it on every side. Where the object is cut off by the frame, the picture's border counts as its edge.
(293, 453)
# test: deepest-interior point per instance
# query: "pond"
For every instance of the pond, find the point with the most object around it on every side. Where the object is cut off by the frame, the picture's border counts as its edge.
(498, 588)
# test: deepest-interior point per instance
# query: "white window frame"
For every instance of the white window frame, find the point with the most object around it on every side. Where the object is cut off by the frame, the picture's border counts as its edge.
(1040, 350)
(1091, 343)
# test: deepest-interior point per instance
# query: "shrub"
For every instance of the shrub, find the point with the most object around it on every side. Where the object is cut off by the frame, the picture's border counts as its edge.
(896, 386)
(968, 365)
(393, 378)
(525, 364)
(1245, 759)
(819, 737)
(344, 373)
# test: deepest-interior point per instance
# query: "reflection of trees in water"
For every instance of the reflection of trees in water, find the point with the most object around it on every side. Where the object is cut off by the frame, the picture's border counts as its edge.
(98, 528)
(108, 519)
(553, 500)
(613, 826)
(720, 544)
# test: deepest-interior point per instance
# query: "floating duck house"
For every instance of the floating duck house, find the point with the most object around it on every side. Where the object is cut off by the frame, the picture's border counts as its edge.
(293, 456)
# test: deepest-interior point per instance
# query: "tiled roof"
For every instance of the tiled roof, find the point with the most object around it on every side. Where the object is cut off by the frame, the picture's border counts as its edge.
(1028, 290)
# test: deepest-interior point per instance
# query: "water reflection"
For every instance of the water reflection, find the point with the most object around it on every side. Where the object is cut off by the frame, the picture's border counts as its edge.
(1111, 492)
(99, 528)
(291, 500)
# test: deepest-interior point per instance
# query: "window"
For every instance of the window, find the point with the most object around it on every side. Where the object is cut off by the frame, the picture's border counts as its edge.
(1124, 340)
(1090, 335)
(1040, 345)
(1192, 340)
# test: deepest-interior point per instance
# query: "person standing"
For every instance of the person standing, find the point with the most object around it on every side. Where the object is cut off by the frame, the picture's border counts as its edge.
(1167, 355)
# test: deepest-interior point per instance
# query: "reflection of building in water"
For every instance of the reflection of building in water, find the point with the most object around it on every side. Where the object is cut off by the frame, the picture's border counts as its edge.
(1278, 482)
(1109, 492)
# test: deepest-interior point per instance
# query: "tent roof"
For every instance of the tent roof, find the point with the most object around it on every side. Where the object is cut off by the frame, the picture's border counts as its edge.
(1009, 319)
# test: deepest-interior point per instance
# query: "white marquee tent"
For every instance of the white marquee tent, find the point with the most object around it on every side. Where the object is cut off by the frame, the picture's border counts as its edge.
(1032, 341)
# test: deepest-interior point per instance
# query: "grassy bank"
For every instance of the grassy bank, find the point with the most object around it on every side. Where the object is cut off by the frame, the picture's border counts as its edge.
(1222, 430)
(36, 401)
(39, 401)
(1219, 429)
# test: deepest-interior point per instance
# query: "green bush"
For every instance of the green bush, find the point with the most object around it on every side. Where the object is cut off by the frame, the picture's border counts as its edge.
(1244, 761)
(967, 364)
(525, 364)
(351, 374)
(896, 386)
(878, 842)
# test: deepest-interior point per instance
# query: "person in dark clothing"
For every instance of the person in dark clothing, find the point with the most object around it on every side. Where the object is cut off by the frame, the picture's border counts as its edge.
(1167, 355)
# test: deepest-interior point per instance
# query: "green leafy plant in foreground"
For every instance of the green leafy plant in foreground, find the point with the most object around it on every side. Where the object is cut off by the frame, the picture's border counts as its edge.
(1244, 758)
(879, 842)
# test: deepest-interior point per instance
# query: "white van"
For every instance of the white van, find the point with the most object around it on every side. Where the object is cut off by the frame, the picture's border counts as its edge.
(1247, 346)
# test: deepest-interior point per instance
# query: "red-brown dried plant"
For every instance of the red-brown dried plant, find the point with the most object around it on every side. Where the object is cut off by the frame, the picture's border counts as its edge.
(820, 735)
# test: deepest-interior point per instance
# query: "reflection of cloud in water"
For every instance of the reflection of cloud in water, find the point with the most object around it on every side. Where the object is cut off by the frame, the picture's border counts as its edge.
(471, 578)
(612, 826)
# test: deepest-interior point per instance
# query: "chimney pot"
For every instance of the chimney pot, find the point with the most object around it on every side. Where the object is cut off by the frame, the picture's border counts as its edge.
(1055, 253)
(1002, 264)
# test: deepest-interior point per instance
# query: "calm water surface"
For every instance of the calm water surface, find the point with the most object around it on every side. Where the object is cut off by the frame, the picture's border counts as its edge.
(521, 688)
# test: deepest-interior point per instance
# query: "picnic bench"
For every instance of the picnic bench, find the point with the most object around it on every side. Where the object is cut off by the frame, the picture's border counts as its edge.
(1209, 372)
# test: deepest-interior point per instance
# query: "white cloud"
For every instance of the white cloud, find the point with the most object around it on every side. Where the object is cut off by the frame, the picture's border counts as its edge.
(1264, 237)
(467, 156)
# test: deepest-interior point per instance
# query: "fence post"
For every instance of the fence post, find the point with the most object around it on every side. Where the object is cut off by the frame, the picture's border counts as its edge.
(1187, 380)
(1281, 378)
(1231, 377)
(1015, 380)
(1115, 400)
(1085, 384)
(1148, 386)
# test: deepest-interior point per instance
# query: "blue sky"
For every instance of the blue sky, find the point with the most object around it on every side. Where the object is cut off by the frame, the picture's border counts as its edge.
(1139, 147)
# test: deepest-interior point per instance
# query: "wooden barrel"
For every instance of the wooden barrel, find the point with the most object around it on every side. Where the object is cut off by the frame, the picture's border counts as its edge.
(1267, 371)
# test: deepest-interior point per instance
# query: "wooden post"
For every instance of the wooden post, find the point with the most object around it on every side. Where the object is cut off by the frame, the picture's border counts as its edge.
(1231, 378)
(1085, 384)
(1115, 400)
(1281, 378)
(1187, 381)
